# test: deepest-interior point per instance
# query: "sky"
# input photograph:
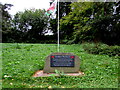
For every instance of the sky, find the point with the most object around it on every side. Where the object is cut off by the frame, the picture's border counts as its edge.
(21, 5)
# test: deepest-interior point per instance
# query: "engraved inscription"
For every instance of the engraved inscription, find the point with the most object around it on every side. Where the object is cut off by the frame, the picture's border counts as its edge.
(62, 61)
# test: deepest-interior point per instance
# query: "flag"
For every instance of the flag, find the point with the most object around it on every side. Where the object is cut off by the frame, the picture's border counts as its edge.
(52, 9)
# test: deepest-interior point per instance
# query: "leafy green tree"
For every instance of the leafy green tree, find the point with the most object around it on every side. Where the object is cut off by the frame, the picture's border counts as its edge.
(64, 9)
(75, 23)
(32, 24)
(6, 22)
(0, 22)
(91, 21)
(107, 23)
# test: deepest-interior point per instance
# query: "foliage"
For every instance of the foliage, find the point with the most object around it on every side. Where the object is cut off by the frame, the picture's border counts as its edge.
(53, 26)
(76, 21)
(92, 21)
(32, 24)
(102, 49)
(59, 73)
(79, 22)
(6, 21)
(64, 9)
(108, 24)
(21, 61)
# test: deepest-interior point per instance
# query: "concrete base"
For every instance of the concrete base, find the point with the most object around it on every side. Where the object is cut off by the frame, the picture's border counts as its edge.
(40, 73)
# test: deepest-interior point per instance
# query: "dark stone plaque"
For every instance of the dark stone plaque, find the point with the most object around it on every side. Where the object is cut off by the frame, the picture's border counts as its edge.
(62, 60)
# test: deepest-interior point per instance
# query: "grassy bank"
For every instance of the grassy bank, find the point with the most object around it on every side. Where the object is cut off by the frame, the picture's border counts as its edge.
(20, 61)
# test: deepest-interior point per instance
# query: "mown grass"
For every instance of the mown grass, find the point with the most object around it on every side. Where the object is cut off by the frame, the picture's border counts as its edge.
(20, 61)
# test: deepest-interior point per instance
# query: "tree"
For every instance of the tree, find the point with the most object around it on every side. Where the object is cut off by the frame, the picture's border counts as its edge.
(91, 21)
(64, 9)
(75, 23)
(32, 24)
(107, 23)
(6, 22)
(0, 22)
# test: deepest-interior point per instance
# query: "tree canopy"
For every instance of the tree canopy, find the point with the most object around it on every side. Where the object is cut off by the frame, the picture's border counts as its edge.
(6, 21)
(32, 23)
(79, 22)
(91, 21)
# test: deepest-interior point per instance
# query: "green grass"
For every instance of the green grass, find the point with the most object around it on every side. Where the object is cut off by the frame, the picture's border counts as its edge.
(21, 61)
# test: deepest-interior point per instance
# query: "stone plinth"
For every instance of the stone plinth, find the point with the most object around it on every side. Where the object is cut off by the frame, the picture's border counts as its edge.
(50, 63)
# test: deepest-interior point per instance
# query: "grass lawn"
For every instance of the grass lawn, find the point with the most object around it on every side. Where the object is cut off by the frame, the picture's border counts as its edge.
(21, 61)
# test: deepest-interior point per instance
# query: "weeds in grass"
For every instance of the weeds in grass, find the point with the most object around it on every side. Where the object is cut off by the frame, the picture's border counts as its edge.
(59, 73)
(22, 60)
(18, 46)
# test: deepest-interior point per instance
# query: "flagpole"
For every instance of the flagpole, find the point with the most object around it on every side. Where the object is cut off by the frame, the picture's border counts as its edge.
(58, 29)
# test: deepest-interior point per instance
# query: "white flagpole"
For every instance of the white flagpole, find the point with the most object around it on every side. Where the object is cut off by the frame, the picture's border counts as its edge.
(58, 29)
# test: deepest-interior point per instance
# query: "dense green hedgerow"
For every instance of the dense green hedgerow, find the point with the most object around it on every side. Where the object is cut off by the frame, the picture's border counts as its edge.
(102, 49)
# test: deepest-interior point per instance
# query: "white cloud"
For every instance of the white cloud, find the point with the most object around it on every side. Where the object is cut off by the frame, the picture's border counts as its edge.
(21, 5)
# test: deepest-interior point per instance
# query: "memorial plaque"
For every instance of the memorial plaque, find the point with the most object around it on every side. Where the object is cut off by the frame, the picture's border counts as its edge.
(64, 62)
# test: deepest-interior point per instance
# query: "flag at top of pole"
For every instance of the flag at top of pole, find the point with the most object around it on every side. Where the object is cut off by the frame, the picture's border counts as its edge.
(52, 9)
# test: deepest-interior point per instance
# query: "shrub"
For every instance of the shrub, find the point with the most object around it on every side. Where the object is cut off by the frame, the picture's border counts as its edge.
(102, 49)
